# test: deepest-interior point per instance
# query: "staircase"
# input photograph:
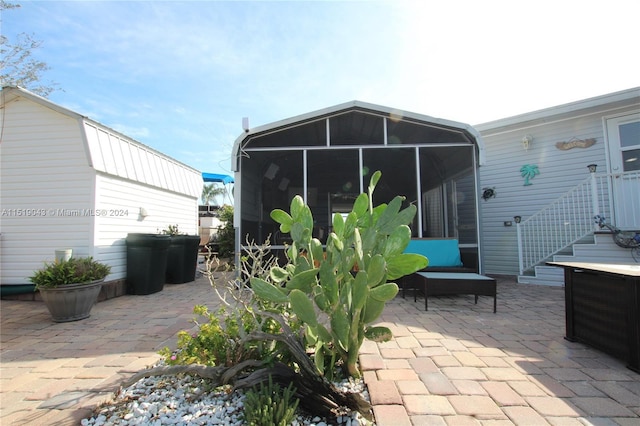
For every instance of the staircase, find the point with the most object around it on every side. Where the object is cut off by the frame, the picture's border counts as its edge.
(597, 248)
(566, 230)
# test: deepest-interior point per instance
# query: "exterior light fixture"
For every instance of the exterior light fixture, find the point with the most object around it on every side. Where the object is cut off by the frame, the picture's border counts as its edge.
(518, 219)
(592, 168)
(143, 212)
(526, 142)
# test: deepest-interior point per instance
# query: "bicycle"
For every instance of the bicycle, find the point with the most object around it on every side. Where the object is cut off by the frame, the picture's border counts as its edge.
(624, 239)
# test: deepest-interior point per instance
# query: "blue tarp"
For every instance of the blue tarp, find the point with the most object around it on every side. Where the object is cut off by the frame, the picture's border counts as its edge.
(214, 177)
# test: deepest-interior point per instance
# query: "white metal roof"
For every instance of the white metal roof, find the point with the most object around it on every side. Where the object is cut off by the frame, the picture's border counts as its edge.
(624, 96)
(116, 154)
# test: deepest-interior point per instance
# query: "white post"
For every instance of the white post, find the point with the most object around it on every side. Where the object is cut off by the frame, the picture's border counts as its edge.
(594, 196)
(520, 263)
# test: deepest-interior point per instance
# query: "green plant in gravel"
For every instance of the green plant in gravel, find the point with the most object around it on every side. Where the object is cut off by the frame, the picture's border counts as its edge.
(217, 343)
(340, 290)
(223, 337)
(73, 271)
(269, 405)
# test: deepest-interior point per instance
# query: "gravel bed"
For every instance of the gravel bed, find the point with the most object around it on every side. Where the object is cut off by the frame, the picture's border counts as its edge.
(187, 400)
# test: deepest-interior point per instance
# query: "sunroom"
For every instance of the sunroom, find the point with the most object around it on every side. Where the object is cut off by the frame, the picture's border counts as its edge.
(328, 157)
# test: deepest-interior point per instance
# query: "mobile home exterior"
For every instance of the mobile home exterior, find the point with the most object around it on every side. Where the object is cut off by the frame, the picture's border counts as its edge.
(70, 182)
(537, 163)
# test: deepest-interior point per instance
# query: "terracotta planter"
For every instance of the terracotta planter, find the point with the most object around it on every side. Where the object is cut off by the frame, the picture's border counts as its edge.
(71, 302)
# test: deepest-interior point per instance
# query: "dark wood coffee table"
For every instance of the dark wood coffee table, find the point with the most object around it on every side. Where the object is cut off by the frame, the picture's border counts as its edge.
(444, 283)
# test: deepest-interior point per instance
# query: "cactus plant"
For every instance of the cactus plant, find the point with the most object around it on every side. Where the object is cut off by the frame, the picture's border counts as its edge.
(270, 405)
(339, 290)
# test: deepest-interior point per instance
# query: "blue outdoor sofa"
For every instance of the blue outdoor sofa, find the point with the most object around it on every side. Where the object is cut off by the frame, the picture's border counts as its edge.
(449, 271)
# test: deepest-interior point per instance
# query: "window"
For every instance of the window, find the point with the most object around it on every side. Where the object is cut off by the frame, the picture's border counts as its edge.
(356, 128)
(630, 145)
(333, 176)
(268, 182)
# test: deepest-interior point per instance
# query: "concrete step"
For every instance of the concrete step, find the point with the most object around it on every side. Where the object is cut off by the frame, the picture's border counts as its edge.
(530, 279)
(544, 275)
(602, 249)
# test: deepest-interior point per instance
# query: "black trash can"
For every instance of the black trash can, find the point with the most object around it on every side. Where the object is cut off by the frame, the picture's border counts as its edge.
(182, 259)
(146, 262)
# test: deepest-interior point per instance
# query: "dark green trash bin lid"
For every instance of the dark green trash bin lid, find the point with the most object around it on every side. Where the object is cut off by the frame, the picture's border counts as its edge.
(148, 240)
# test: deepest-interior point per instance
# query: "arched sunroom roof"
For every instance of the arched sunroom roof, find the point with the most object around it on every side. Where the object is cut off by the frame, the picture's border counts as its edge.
(358, 123)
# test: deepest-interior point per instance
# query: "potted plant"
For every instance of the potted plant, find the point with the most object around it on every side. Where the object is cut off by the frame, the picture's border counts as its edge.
(70, 288)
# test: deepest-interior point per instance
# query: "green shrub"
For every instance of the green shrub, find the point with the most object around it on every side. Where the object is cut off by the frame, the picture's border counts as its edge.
(220, 343)
(214, 343)
(73, 271)
(171, 230)
(269, 405)
(226, 236)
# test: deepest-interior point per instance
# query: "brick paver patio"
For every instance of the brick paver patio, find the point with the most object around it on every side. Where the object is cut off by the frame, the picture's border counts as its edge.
(509, 368)
(457, 363)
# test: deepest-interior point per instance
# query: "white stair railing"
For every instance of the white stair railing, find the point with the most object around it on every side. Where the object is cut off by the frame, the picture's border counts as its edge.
(566, 220)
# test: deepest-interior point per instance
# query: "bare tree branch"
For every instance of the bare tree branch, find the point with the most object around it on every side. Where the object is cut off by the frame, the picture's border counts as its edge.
(18, 64)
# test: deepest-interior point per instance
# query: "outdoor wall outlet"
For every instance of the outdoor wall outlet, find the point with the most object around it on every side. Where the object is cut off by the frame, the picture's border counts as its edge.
(507, 223)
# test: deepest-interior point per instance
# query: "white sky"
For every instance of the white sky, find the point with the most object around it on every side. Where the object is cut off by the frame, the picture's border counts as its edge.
(179, 76)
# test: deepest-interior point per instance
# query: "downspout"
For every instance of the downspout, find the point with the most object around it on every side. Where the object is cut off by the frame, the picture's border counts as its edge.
(476, 177)
(237, 198)
(477, 163)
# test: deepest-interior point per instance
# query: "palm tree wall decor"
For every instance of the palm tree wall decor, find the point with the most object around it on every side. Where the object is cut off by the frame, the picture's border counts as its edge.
(528, 172)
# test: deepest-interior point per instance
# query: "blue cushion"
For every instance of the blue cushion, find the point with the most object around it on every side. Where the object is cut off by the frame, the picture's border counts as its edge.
(441, 253)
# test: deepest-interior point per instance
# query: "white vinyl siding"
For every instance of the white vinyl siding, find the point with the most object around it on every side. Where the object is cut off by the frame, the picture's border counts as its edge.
(56, 161)
(121, 201)
(44, 168)
(559, 171)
